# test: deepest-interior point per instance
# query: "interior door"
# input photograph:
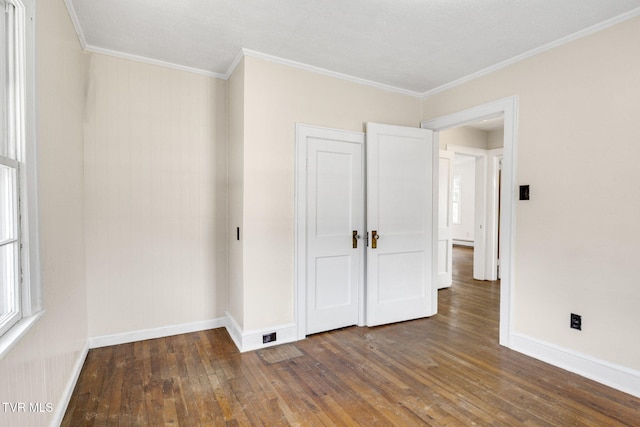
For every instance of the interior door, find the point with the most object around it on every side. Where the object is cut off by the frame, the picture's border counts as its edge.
(401, 254)
(335, 224)
(445, 240)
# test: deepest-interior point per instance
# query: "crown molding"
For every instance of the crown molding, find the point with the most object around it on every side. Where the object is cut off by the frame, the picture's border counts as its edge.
(76, 23)
(323, 71)
(152, 61)
(232, 67)
(326, 72)
(89, 48)
(557, 43)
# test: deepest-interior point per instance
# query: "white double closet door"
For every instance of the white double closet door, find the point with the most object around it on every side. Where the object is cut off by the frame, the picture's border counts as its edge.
(369, 254)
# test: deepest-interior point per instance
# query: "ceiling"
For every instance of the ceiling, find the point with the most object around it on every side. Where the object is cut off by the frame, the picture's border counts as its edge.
(414, 46)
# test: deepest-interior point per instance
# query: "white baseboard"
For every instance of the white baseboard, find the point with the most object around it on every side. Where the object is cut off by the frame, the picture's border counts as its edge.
(469, 243)
(252, 340)
(234, 330)
(61, 408)
(609, 374)
(244, 340)
(147, 334)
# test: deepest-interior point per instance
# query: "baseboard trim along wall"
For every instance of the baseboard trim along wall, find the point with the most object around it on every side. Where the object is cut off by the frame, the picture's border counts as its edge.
(147, 334)
(619, 377)
(609, 374)
(469, 243)
(61, 408)
(253, 340)
(244, 340)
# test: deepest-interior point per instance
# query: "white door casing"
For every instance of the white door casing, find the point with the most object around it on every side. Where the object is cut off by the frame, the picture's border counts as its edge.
(495, 159)
(445, 237)
(509, 108)
(401, 196)
(330, 207)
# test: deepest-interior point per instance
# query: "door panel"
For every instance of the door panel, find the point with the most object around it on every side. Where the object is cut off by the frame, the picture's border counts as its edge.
(400, 277)
(334, 191)
(335, 203)
(401, 205)
(401, 269)
(445, 242)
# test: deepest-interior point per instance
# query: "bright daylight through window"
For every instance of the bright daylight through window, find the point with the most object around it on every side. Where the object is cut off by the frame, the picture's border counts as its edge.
(17, 287)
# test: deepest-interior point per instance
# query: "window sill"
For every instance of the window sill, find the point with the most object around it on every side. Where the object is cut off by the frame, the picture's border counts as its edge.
(15, 334)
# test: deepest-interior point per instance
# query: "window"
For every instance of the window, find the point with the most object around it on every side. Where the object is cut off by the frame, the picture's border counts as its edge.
(19, 288)
(455, 200)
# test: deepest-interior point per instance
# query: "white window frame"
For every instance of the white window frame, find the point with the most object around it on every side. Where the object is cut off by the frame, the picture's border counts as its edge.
(21, 126)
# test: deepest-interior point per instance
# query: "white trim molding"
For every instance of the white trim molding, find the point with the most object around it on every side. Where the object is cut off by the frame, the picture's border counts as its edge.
(234, 330)
(145, 60)
(247, 52)
(15, 334)
(325, 72)
(61, 408)
(232, 67)
(244, 340)
(509, 108)
(609, 374)
(147, 334)
(252, 340)
(76, 23)
(95, 49)
(541, 49)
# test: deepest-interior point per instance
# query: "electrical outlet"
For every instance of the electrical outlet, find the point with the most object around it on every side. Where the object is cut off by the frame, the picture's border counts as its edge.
(267, 338)
(576, 321)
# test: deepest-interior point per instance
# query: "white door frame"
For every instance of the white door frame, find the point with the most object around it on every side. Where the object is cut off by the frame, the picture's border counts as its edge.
(509, 108)
(300, 240)
(493, 210)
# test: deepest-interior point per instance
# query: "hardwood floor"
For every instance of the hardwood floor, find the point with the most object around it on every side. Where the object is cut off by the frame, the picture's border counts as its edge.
(447, 370)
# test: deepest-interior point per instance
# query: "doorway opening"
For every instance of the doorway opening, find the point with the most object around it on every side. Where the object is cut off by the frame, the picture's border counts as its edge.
(500, 164)
(473, 148)
(477, 150)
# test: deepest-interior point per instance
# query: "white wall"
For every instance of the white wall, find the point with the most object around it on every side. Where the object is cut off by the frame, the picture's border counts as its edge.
(40, 367)
(276, 97)
(235, 108)
(465, 167)
(463, 136)
(578, 237)
(151, 194)
(155, 196)
(495, 139)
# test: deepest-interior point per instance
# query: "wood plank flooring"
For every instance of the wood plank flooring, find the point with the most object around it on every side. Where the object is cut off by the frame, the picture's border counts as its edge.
(447, 370)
